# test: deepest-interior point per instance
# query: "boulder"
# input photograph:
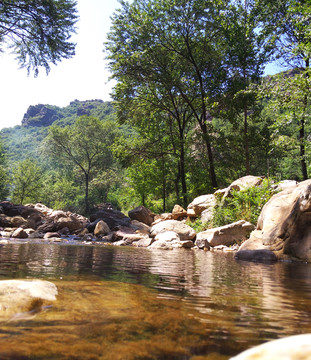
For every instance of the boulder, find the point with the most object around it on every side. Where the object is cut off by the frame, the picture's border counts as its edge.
(113, 218)
(101, 228)
(178, 212)
(19, 233)
(141, 214)
(139, 226)
(70, 222)
(289, 348)
(122, 233)
(18, 221)
(167, 236)
(184, 231)
(284, 225)
(201, 203)
(225, 235)
(145, 242)
(23, 299)
(5, 221)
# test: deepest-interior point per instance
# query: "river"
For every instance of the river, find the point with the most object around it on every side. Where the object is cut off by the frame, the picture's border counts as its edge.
(128, 303)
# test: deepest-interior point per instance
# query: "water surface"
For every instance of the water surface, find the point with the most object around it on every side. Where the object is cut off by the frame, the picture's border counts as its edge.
(128, 303)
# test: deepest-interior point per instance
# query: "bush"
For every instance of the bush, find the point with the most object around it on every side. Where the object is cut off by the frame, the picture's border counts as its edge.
(246, 205)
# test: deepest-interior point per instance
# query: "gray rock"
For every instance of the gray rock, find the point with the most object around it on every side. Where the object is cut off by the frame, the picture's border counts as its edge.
(141, 214)
(101, 228)
(184, 231)
(201, 203)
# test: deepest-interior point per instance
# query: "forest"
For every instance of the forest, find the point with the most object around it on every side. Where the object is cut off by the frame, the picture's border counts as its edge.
(191, 112)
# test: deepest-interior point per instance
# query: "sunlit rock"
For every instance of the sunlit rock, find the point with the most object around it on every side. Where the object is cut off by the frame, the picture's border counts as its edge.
(141, 214)
(284, 225)
(19, 233)
(201, 203)
(225, 235)
(20, 299)
(289, 348)
(178, 212)
(101, 228)
(184, 231)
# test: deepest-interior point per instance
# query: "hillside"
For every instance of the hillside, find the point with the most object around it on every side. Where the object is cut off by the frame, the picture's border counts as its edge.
(23, 141)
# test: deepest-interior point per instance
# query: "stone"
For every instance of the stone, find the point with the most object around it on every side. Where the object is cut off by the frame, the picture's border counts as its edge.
(113, 218)
(165, 245)
(141, 214)
(137, 225)
(18, 221)
(122, 233)
(207, 215)
(284, 225)
(167, 236)
(22, 299)
(282, 185)
(49, 235)
(70, 222)
(19, 233)
(225, 235)
(202, 243)
(145, 242)
(187, 244)
(101, 228)
(201, 203)
(184, 231)
(290, 348)
(178, 212)
(5, 221)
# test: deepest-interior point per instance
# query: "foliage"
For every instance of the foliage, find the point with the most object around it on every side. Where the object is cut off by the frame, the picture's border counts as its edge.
(246, 204)
(26, 182)
(85, 145)
(38, 31)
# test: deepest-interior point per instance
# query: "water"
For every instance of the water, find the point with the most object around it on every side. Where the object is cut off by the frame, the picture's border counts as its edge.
(127, 303)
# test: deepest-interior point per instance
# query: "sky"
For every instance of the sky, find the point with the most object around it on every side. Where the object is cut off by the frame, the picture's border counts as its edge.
(83, 77)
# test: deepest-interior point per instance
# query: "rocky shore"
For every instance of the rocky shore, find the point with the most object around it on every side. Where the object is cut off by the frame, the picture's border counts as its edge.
(282, 232)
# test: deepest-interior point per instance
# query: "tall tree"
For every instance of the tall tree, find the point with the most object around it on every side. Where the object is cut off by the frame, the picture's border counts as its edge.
(85, 145)
(173, 48)
(38, 31)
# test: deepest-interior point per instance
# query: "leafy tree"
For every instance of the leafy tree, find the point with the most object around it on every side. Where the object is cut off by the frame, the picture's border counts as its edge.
(85, 145)
(38, 31)
(26, 181)
(161, 51)
(4, 180)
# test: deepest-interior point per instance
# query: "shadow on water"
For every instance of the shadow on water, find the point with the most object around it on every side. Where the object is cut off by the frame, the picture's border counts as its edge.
(128, 303)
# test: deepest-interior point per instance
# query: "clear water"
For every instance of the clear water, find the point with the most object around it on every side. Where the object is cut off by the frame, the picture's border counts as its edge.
(128, 303)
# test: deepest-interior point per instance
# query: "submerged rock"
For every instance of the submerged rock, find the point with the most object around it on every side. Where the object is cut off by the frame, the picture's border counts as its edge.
(20, 299)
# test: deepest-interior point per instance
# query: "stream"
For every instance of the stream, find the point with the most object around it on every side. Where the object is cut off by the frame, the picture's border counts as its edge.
(135, 303)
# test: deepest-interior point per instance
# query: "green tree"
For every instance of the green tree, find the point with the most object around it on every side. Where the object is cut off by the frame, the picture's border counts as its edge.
(26, 181)
(4, 180)
(166, 51)
(38, 31)
(85, 145)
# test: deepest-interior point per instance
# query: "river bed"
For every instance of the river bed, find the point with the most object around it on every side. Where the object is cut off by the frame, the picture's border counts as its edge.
(128, 303)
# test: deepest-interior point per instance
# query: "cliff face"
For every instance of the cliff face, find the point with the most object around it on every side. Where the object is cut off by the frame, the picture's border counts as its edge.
(41, 115)
(45, 115)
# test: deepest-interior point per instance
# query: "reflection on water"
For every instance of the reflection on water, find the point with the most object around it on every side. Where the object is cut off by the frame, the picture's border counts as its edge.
(127, 303)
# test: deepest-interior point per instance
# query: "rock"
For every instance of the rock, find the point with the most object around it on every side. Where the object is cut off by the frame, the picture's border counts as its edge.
(282, 185)
(162, 217)
(145, 242)
(122, 233)
(201, 203)
(289, 348)
(5, 221)
(207, 215)
(165, 245)
(202, 243)
(260, 255)
(18, 221)
(225, 235)
(187, 244)
(141, 214)
(21, 299)
(167, 236)
(178, 212)
(184, 231)
(284, 225)
(113, 218)
(137, 225)
(19, 233)
(101, 228)
(71, 222)
(49, 235)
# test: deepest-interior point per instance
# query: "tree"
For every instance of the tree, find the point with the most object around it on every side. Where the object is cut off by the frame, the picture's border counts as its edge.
(4, 191)
(85, 145)
(26, 181)
(38, 31)
(169, 50)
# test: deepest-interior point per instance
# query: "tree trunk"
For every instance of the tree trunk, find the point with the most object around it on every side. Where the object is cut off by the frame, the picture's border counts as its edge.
(210, 156)
(183, 175)
(246, 146)
(86, 199)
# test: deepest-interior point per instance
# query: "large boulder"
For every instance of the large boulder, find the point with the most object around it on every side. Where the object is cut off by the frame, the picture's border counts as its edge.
(113, 218)
(284, 225)
(184, 231)
(289, 348)
(141, 214)
(201, 203)
(22, 299)
(225, 235)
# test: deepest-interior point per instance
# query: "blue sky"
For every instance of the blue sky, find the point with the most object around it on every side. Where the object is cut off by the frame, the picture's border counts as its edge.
(84, 77)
